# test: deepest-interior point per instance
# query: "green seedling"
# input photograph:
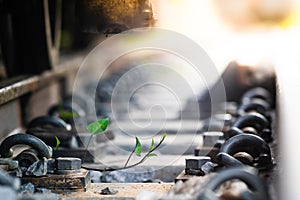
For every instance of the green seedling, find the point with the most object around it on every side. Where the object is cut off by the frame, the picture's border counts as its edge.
(100, 126)
(138, 150)
(95, 128)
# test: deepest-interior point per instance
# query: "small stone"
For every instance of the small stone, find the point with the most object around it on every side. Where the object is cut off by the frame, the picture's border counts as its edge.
(108, 191)
(133, 175)
(19, 172)
(208, 167)
(38, 168)
(43, 191)
(95, 176)
(51, 166)
(27, 188)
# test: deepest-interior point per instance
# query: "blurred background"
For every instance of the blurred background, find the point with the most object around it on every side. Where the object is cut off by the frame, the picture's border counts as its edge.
(250, 42)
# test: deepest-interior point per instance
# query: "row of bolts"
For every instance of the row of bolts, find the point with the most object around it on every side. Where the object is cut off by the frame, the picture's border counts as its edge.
(245, 142)
(241, 148)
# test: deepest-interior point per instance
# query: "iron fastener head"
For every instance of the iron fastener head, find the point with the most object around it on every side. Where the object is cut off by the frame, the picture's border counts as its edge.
(68, 163)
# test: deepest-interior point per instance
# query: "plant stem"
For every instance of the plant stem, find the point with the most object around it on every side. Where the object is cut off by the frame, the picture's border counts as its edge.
(85, 152)
(130, 166)
(144, 158)
(129, 158)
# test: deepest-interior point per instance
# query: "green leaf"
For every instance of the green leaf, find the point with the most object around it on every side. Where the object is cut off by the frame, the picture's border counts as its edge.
(98, 126)
(151, 154)
(104, 123)
(57, 143)
(152, 144)
(138, 147)
(164, 135)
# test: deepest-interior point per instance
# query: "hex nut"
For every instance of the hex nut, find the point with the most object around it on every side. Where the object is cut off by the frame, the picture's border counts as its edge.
(68, 163)
(196, 162)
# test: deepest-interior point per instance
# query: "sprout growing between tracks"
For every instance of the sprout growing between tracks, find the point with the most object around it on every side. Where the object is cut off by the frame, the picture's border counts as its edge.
(100, 126)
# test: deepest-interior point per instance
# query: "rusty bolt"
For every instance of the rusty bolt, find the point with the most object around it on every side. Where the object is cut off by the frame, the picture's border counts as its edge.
(68, 163)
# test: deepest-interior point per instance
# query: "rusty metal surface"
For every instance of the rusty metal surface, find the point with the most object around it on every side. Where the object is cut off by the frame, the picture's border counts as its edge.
(61, 182)
(96, 15)
(183, 177)
(116, 10)
(34, 83)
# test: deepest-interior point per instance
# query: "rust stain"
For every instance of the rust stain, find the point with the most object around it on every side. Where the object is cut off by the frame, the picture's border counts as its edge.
(60, 182)
(119, 11)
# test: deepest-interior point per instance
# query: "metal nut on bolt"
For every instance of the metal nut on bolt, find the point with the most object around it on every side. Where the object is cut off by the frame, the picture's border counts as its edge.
(68, 163)
(196, 162)
(193, 165)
